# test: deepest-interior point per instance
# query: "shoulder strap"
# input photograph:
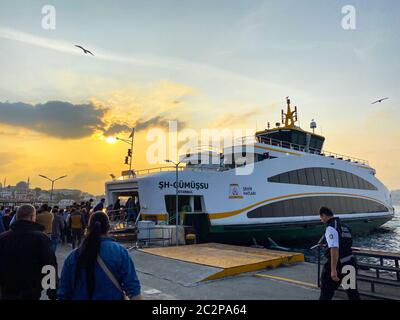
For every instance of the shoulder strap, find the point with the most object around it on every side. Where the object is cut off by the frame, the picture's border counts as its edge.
(109, 273)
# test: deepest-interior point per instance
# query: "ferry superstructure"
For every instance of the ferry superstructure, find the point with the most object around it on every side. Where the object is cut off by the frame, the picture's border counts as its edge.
(289, 177)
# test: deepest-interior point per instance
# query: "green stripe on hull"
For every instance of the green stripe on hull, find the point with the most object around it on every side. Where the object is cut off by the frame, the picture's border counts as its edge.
(287, 232)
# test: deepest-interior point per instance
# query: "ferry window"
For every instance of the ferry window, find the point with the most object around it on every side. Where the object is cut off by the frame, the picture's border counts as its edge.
(272, 210)
(318, 177)
(363, 184)
(329, 202)
(315, 205)
(335, 204)
(331, 178)
(284, 177)
(256, 213)
(341, 205)
(371, 206)
(382, 208)
(309, 206)
(349, 205)
(287, 208)
(371, 186)
(302, 176)
(376, 206)
(350, 180)
(274, 179)
(364, 206)
(310, 176)
(324, 175)
(293, 178)
(355, 183)
(306, 204)
(358, 207)
(344, 179)
(338, 178)
(280, 210)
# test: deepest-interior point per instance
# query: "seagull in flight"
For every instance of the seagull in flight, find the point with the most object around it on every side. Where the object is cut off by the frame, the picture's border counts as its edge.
(84, 50)
(380, 100)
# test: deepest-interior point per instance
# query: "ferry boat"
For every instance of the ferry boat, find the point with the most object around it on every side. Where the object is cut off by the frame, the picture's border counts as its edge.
(289, 177)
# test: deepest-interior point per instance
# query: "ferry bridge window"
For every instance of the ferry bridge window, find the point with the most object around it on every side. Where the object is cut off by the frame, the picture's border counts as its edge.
(309, 206)
(326, 177)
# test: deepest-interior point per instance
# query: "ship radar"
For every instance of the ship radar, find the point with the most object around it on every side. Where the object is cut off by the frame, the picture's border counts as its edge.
(313, 125)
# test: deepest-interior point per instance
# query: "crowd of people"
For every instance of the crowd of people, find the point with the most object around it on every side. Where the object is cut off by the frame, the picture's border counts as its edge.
(128, 212)
(98, 268)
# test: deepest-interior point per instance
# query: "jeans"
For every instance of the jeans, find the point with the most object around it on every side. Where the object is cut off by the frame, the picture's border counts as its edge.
(76, 236)
(54, 243)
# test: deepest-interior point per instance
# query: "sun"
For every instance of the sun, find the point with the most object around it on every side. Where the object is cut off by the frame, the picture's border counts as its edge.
(111, 140)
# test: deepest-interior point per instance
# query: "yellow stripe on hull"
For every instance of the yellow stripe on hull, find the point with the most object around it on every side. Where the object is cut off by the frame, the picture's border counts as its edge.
(222, 215)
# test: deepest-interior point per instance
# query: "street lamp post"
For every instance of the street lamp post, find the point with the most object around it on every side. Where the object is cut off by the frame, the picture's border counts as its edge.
(130, 151)
(176, 198)
(52, 184)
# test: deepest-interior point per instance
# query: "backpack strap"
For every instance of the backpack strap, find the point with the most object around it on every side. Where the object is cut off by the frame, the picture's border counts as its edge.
(109, 273)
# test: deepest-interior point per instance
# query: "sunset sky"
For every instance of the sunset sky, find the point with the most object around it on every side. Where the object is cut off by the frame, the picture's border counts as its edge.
(207, 64)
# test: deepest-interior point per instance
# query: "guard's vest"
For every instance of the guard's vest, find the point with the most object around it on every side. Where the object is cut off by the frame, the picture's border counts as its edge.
(345, 240)
(76, 221)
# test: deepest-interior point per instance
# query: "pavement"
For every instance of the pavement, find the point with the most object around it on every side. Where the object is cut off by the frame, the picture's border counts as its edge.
(167, 279)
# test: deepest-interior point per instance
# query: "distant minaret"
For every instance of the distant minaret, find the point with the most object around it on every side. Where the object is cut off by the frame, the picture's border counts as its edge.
(29, 183)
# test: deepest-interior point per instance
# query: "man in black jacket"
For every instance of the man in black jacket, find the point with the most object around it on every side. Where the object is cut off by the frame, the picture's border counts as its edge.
(24, 251)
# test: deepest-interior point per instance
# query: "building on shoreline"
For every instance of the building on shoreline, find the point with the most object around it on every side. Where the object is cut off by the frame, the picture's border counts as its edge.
(23, 192)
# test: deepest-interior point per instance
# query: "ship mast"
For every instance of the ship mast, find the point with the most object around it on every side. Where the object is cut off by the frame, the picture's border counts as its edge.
(290, 117)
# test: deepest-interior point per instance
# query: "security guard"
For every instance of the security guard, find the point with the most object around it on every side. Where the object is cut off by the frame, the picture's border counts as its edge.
(339, 241)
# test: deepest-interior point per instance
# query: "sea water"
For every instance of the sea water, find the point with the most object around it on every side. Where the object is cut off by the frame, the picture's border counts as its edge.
(386, 237)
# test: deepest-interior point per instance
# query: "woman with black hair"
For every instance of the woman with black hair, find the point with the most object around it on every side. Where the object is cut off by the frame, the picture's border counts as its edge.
(100, 269)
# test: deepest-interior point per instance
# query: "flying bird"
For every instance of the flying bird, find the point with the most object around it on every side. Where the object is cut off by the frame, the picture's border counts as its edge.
(380, 100)
(84, 50)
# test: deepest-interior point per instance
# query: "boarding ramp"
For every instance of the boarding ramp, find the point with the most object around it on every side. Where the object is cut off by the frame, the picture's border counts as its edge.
(227, 260)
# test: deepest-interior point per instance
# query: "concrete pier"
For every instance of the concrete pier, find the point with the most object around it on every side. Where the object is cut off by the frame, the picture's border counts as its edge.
(227, 260)
(166, 278)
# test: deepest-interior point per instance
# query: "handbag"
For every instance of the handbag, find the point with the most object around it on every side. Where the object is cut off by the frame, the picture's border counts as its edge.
(110, 275)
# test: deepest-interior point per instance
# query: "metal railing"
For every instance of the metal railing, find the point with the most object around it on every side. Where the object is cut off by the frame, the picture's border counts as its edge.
(374, 267)
(252, 140)
(149, 239)
(298, 147)
(143, 172)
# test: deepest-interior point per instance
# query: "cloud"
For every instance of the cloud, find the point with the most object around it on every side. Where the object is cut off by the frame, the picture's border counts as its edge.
(54, 118)
(116, 128)
(158, 121)
(234, 119)
(7, 158)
